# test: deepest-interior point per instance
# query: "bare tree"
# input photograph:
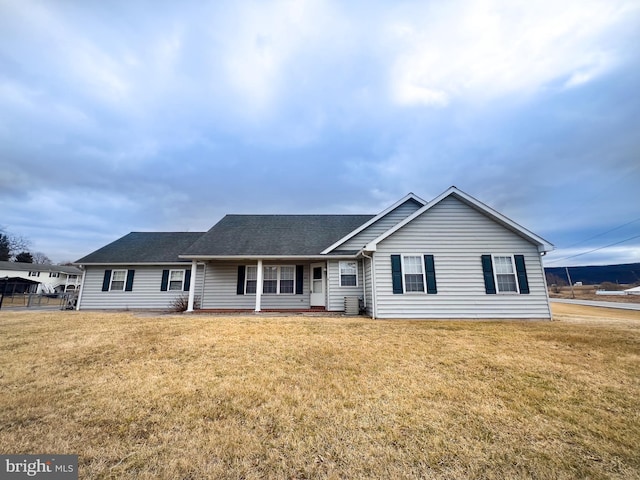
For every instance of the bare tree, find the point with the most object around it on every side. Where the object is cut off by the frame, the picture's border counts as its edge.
(41, 258)
(555, 282)
(18, 243)
(11, 245)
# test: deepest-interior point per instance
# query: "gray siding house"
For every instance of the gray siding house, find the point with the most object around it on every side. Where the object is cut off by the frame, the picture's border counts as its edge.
(452, 257)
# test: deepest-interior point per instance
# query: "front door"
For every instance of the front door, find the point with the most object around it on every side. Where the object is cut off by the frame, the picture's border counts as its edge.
(318, 285)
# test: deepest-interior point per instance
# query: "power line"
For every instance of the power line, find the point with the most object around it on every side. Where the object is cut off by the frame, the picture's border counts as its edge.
(601, 234)
(594, 250)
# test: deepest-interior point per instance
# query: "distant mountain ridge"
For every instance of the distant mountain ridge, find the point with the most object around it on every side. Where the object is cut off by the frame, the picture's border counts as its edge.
(596, 274)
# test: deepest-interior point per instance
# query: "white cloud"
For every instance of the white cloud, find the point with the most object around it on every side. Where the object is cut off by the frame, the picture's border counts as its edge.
(409, 85)
(249, 57)
(18, 96)
(223, 100)
(71, 53)
(483, 49)
(262, 43)
(592, 69)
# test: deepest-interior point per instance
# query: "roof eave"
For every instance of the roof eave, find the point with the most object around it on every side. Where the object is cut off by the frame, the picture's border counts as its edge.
(267, 257)
(81, 264)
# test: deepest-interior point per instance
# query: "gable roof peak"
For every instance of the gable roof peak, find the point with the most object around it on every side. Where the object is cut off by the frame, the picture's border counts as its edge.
(543, 245)
(409, 196)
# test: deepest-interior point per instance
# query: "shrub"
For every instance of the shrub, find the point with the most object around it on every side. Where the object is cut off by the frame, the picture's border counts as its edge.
(610, 286)
(555, 282)
(181, 303)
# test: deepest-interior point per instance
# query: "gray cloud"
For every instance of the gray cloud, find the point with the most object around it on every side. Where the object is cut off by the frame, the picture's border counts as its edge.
(120, 117)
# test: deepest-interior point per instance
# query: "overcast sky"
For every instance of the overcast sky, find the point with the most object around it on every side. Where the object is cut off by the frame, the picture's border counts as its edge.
(164, 116)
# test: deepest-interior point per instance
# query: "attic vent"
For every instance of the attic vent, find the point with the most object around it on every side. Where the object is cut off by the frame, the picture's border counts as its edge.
(351, 305)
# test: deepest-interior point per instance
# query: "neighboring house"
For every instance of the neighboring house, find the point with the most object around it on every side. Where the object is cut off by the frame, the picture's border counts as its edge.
(453, 257)
(47, 278)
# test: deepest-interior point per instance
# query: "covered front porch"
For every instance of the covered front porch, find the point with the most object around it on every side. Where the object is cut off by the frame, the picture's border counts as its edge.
(258, 285)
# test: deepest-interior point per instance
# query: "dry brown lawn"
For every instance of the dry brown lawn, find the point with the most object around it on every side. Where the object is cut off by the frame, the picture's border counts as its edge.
(306, 397)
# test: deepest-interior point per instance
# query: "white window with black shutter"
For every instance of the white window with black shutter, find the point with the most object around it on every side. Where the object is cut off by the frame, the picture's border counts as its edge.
(413, 273)
(175, 280)
(118, 280)
(118, 277)
(504, 274)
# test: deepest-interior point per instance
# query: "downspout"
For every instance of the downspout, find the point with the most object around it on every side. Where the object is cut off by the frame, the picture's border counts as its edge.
(373, 284)
(364, 285)
(546, 289)
(204, 279)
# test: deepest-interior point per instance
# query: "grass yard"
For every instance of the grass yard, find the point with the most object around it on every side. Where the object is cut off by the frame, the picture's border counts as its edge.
(307, 397)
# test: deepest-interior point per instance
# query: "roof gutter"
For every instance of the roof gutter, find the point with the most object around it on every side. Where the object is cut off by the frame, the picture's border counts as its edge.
(97, 264)
(268, 257)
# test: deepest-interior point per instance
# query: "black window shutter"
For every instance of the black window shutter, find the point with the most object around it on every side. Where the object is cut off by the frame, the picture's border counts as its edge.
(299, 279)
(430, 269)
(396, 274)
(187, 279)
(165, 281)
(106, 280)
(129, 285)
(240, 287)
(521, 270)
(487, 271)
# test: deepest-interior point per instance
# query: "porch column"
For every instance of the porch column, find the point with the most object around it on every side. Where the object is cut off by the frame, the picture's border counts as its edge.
(259, 286)
(80, 288)
(192, 286)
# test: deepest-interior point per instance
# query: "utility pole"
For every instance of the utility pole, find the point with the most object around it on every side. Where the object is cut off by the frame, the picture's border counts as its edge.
(570, 282)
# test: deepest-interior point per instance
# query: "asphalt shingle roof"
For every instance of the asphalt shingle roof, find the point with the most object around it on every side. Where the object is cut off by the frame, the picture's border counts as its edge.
(39, 267)
(274, 234)
(144, 247)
